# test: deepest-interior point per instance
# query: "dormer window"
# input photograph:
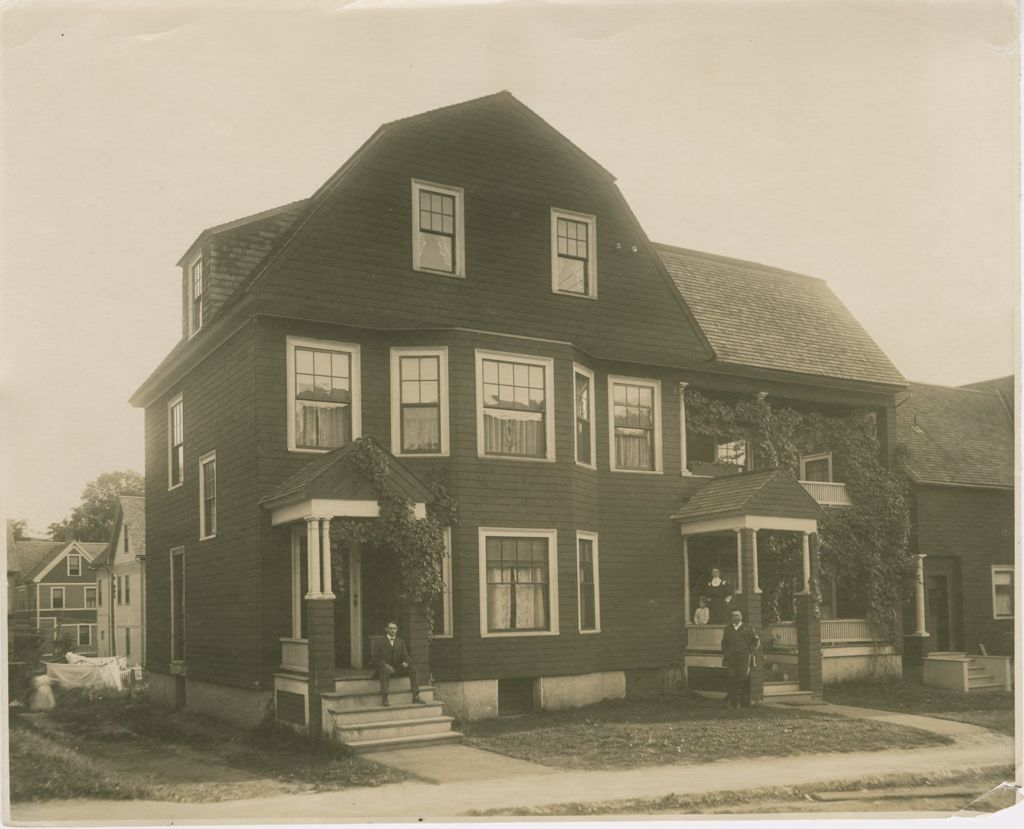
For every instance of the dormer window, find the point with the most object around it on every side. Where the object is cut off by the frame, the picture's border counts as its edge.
(195, 295)
(573, 253)
(438, 243)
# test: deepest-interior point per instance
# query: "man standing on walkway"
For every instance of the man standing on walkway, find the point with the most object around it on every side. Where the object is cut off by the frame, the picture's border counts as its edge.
(739, 644)
(391, 657)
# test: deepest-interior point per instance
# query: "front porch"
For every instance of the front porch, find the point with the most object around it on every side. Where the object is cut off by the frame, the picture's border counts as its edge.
(325, 683)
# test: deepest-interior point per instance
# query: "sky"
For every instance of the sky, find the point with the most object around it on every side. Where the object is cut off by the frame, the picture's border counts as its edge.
(874, 145)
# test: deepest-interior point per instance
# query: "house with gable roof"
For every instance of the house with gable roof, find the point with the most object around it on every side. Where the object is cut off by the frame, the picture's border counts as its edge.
(960, 459)
(121, 584)
(51, 589)
(472, 292)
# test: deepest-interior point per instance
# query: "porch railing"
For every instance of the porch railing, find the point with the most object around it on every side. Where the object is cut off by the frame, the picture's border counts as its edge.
(828, 493)
(845, 631)
(779, 635)
(295, 654)
(704, 637)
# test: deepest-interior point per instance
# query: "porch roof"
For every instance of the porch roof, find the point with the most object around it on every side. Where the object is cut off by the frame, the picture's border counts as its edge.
(769, 499)
(335, 478)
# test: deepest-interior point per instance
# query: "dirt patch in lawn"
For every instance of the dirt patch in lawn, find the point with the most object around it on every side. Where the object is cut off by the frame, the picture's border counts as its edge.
(991, 709)
(628, 734)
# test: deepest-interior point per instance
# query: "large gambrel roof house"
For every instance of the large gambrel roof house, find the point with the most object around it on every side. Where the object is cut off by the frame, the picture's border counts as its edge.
(471, 291)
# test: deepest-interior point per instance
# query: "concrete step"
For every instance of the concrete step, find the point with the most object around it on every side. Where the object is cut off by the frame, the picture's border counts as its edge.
(388, 743)
(358, 732)
(338, 700)
(988, 684)
(947, 655)
(368, 684)
(791, 698)
(977, 670)
(409, 711)
(772, 689)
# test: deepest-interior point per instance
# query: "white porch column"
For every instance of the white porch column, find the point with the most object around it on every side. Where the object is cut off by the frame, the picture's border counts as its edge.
(686, 579)
(325, 555)
(313, 557)
(922, 629)
(757, 578)
(806, 546)
(682, 432)
(739, 559)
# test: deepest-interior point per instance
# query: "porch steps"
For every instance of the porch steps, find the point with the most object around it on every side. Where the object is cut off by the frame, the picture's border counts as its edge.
(360, 721)
(978, 678)
(786, 693)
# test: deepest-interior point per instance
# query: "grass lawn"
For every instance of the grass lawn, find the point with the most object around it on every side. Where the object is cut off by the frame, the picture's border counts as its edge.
(628, 734)
(122, 747)
(991, 709)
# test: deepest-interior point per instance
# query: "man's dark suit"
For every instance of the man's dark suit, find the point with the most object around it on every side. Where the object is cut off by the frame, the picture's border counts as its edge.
(388, 658)
(738, 648)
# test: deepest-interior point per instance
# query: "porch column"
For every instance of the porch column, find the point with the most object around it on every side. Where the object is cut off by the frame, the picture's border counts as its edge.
(749, 601)
(319, 622)
(325, 556)
(807, 562)
(682, 431)
(686, 580)
(808, 623)
(757, 577)
(739, 560)
(919, 602)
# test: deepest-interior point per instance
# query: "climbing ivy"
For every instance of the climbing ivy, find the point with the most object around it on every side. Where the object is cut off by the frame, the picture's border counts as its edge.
(412, 548)
(865, 546)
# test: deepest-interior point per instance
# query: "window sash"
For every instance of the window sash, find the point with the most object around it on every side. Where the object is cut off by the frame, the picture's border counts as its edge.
(57, 598)
(573, 248)
(208, 494)
(583, 401)
(1002, 592)
(517, 578)
(91, 596)
(587, 578)
(87, 638)
(74, 565)
(420, 389)
(177, 442)
(438, 249)
(514, 408)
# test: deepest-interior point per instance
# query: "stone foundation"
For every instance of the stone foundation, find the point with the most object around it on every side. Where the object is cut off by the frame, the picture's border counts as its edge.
(241, 706)
(841, 664)
(475, 699)
(555, 693)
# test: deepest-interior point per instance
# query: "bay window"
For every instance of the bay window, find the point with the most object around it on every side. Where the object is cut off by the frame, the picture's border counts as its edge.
(635, 424)
(583, 414)
(323, 392)
(515, 411)
(518, 574)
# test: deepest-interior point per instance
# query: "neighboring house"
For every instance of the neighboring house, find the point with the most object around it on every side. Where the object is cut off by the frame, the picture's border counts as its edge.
(960, 458)
(51, 589)
(121, 584)
(471, 290)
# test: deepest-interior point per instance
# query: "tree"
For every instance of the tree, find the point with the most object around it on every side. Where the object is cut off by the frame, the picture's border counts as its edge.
(19, 528)
(93, 519)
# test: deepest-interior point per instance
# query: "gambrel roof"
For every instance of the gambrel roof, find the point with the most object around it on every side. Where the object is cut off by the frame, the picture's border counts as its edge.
(956, 436)
(764, 317)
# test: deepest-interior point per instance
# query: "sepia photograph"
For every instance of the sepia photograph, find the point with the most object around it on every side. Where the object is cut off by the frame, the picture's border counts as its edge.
(480, 411)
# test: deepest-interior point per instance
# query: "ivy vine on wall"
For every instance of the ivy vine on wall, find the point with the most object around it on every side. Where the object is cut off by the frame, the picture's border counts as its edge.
(412, 548)
(865, 547)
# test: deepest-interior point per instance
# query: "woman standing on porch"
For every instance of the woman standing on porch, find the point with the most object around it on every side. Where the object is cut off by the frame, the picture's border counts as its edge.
(719, 592)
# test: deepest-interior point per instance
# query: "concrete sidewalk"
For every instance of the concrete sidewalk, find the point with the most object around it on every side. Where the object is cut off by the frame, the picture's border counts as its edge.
(975, 747)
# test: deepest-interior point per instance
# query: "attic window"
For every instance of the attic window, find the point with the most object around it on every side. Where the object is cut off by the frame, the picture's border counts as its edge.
(74, 565)
(195, 295)
(573, 259)
(438, 244)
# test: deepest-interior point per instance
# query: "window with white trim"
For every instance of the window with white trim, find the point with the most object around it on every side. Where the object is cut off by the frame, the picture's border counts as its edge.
(584, 439)
(515, 406)
(419, 401)
(85, 634)
(438, 229)
(634, 414)
(588, 583)
(323, 394)
(90, 597)
(1002, 591)
(74, 565)
(127, 641)
(128, 589)
(208, 496)
(195, 295)
(816, 467)
(178, 604)
(175, 442)
(573, 253)
(57, 598)
(732, 452)
(518, 582)
(443, 627)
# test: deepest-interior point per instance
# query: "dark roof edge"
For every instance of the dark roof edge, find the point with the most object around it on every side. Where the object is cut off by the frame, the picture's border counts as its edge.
(960, 484)
(235, 223)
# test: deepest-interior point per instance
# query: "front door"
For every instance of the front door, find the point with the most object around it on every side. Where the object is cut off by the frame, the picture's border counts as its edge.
(355, 605)
(939, 611)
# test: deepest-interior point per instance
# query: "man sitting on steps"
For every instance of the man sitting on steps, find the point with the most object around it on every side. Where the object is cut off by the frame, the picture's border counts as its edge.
(391, 657)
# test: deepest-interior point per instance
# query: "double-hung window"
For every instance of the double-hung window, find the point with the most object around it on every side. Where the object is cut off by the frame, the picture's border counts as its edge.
(515, 410)
(587, 583)
(419, 401)
(438, 243)
(519, 589)
(74, 565)
(1002, 591)
(57, 598)
(442, 610)
(583, 414)
(85, 634)
(634, 413)
(323, 394)
(195, 295)
(208, 496)
(816, 467)
(175, 442)
(90, 597)
(573, 253)
(128, 589)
